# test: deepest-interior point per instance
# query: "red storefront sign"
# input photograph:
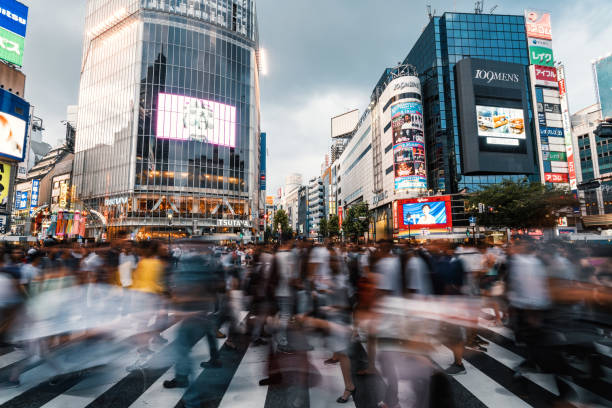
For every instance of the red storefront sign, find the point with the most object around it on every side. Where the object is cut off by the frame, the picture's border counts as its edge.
(537, 25)
(556, 178)
(546, 74)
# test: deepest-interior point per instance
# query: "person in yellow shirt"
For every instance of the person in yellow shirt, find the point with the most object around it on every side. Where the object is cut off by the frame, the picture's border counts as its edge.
(149, 272)
(146, 298)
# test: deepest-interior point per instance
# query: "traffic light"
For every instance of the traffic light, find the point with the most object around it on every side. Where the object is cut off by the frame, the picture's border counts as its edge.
(589, 185)
(467, 233)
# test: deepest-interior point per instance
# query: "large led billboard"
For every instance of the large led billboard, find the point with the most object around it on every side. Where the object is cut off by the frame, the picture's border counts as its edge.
(408, 146)
(500, 127)
(493, 109)
(5, 185)
(14, 113)
(425, 213)
(13, 23)
(191, 119)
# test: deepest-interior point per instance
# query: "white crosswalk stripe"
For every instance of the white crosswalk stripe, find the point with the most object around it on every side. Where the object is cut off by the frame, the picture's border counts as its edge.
(157, 395)
(243, 388)
(86, 391)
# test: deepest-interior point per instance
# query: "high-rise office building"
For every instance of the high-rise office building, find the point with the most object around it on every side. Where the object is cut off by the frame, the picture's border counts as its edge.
(168, 119)
(445, 41)
(602, 72)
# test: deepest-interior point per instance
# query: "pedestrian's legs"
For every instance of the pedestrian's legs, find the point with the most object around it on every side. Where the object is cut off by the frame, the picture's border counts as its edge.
(284, 305)
(211, 338)
(387, 366)
(190, 330)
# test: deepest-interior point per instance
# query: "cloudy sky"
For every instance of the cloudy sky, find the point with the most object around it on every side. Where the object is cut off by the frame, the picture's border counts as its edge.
(324, 57)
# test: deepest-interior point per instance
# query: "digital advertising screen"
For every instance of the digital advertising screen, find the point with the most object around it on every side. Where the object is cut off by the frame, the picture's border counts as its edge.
(408, 146)
(5, 184)
(13, 23)
(500, 127)
(12, 136)
(425, 213)
(191, 119)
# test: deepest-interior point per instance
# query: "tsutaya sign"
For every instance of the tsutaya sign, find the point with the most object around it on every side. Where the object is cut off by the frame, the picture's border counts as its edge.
(233, 223)
(495, 76)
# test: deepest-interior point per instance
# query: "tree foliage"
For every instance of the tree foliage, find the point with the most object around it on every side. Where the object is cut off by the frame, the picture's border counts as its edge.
(356, 221)
(520, 204)
(281, 222)
(323, 228)
(333, 226)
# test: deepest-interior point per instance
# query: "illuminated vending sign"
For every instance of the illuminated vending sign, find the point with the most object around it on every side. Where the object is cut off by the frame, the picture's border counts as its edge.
(34, 200)
(13, 23)
(190, 119)
(408, 146)
(424, 213)
(537, 24)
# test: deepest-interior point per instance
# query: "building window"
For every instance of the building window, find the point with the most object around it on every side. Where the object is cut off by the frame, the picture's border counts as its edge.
(387, 127)
(389, 170)
(388, 147)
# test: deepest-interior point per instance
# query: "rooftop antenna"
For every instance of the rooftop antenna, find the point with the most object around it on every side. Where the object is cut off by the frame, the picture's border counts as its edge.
(478, 7)
(493, 9)
(430, 14)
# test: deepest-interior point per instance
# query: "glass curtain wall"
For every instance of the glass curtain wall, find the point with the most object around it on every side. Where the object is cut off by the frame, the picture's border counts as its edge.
(445, 41)
(180, 75)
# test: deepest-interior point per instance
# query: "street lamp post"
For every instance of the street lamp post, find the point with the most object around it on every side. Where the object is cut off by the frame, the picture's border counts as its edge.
(170, 215)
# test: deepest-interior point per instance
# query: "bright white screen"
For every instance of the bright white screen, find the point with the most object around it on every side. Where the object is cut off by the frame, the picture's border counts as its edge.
(184, 118)
(12, 136)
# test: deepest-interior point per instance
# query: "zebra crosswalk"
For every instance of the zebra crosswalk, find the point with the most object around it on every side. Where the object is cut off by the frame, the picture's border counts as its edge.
(489, 380)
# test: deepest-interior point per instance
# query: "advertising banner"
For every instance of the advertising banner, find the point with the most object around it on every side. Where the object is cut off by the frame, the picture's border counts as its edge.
(500, 127)
(567, 129)
(556, 147)
(11, 47)
(555, 177)
(5, 184)
(546, 76)
(425, 213)
(408, 146)
(553, 132)
(541, 119)
(537, 24)
(14, 16)
(14, 114)
(190, 119)
(22, 204)
(262, 162)
(557, 156)
(541, 56)
(34, 200)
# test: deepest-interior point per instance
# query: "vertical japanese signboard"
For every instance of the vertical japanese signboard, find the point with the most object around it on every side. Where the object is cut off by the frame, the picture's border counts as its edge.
(567, 128)
(34, 200)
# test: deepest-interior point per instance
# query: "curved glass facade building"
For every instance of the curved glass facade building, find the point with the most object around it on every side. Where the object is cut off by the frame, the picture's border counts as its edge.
(168, 125)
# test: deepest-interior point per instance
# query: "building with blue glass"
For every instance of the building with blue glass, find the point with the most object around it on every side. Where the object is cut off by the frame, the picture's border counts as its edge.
(168, 121)
(447, 40)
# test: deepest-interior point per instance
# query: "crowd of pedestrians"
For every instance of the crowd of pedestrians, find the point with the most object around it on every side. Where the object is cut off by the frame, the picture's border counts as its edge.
(380, 310)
